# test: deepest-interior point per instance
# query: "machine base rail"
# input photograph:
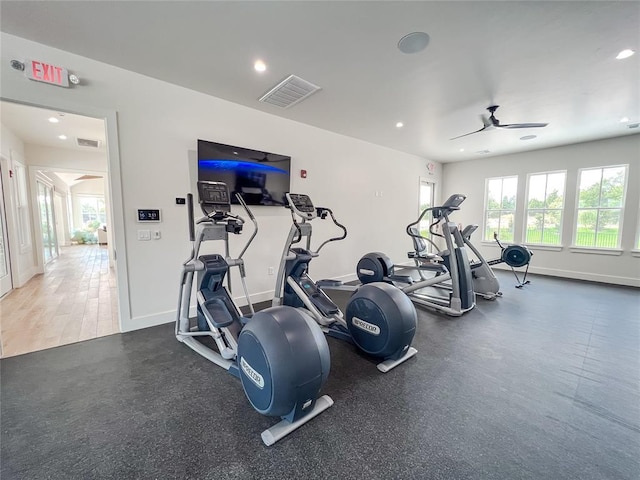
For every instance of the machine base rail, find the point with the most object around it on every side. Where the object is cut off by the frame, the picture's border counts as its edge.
(284, 428)
(387, 365)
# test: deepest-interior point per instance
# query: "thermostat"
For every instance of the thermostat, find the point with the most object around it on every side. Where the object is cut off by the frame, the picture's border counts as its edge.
(148, 215)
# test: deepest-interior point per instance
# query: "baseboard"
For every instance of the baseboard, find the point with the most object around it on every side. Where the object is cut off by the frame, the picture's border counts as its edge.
(24, 277)
(146, 321)
(155, 319)
(591, 277)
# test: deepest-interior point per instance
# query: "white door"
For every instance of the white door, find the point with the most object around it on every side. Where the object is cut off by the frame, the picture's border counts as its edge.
(5, 265)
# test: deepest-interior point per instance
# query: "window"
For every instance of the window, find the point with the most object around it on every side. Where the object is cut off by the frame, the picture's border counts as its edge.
(22, 206)
(545, 202)
(92, 209)
(600, 205)
(500, 208)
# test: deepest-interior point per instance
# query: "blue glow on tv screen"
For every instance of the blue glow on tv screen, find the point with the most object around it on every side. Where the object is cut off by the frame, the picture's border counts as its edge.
(261, 178)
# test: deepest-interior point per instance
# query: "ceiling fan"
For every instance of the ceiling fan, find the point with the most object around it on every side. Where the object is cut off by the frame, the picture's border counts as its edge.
(492, 122)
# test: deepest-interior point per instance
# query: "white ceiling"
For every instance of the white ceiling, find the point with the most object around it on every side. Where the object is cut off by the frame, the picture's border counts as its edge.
(540, 61)
(32, 126)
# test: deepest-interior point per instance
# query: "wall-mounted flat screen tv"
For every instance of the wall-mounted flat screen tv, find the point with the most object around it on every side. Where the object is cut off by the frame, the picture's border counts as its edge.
(261, 178)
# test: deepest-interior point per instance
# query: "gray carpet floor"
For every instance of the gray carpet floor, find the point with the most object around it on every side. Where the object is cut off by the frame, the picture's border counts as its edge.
(543, 383)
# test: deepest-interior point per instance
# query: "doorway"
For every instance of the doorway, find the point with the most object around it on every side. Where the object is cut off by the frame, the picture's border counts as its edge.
(426, 199)
(6, 282)
(72, 293)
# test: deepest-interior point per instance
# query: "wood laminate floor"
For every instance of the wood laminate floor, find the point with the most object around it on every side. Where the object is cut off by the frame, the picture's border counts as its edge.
(74, 300)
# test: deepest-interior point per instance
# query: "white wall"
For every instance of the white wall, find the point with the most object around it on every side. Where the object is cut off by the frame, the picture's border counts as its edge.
(468, 178)
(159, 123)
(65, 159)
(23, 263)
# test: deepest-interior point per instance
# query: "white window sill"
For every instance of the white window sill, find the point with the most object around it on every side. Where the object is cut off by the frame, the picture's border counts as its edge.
(530, 246)
(597, 251)
(635, 253)
(550, 248)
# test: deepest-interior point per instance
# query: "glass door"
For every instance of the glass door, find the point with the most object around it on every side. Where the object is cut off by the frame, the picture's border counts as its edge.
(45, 203)
(5, 266)
(426, 201)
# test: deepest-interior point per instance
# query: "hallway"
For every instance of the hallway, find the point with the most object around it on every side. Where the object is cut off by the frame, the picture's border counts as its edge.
(75, 299)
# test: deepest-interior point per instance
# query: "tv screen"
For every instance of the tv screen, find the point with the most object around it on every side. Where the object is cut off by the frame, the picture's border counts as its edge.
(261, 178)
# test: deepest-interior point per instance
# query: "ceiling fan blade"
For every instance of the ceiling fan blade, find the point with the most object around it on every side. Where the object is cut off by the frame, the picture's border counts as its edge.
(471, 133)
(523, 125)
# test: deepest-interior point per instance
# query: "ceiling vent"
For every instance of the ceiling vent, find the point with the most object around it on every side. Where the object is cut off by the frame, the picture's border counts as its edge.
(85, 142)
(289, 92)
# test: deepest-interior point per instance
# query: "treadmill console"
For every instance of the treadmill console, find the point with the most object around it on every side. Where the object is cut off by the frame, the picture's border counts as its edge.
(214, 196)
(301, 204)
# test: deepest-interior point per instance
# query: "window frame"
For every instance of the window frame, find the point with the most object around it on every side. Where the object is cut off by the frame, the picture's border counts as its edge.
(598, 208)
(97, 199)
(21, 198)
(486, 205)
(527, 209)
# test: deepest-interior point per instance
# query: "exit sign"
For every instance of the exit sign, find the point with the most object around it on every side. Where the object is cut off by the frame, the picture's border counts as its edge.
(47, 73)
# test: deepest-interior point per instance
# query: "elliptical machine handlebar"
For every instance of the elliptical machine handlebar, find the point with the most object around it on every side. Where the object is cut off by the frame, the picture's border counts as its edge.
(301, 206)
(439, 213)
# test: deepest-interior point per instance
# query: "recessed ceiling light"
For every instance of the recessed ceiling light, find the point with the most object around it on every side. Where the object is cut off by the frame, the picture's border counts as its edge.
(528, 137)
(399, 125)
(260, 66)
(462, 149)
(53, 120)
(624, 54)
(413, 42)
(624, 119)
(62, 137)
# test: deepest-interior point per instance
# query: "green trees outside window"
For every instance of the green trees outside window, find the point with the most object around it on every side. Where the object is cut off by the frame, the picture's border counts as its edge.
(600, 206)
(545, 204)
(500, 202)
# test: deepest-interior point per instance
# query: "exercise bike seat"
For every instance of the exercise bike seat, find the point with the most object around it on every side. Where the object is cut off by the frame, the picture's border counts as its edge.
(217, 313)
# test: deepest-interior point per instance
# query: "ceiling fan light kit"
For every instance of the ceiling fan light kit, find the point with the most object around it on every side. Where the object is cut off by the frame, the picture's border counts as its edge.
(492, 122)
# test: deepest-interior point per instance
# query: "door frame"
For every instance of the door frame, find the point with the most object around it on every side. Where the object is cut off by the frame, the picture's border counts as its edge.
(34, 178)
(4, 226)
(119, 250)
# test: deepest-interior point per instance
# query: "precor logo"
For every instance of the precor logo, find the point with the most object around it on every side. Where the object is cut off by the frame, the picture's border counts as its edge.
(254, 376)
(366, 326)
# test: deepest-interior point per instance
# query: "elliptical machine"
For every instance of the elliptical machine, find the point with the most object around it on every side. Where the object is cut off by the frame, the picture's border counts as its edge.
(485, 283)
(449, 268)
(379, 319)
(279, 354)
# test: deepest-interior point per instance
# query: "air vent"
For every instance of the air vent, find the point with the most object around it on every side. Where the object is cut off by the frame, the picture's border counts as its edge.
(85, 142)
(289, 92)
